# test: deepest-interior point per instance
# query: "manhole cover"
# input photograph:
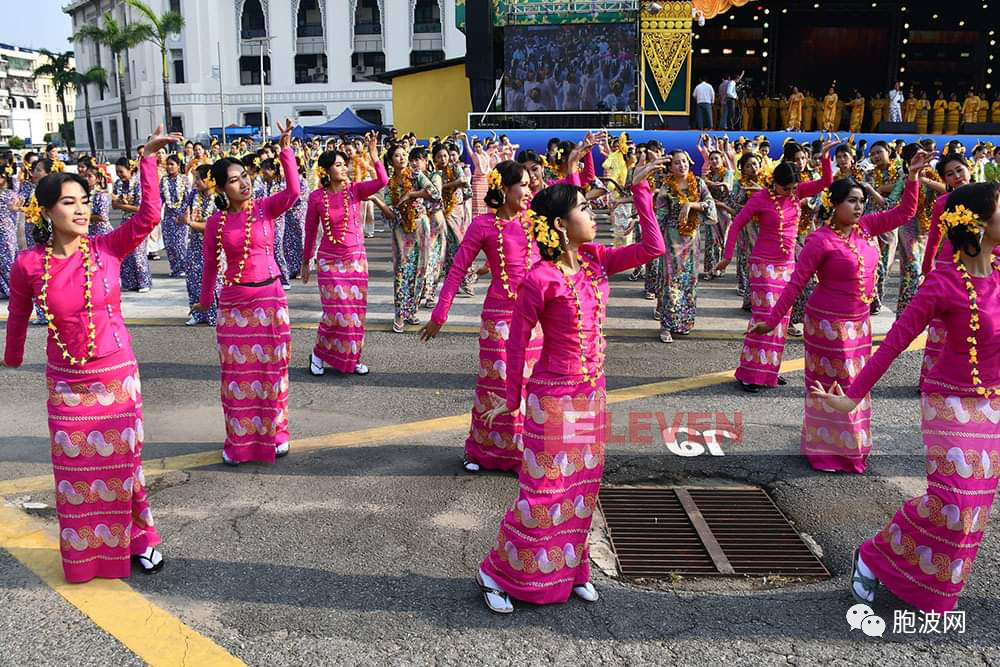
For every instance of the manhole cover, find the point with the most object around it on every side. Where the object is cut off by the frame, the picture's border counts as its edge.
(729, 531)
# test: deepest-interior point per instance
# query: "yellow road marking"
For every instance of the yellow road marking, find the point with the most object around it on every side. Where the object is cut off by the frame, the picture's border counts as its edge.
(396, 432)
(147, 630)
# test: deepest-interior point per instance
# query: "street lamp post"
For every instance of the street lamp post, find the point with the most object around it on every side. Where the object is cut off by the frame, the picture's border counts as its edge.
(261, 42)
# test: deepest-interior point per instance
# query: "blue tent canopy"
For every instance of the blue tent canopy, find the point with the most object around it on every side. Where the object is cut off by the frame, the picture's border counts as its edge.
(235, 132)
(298, 132)
(347, 122)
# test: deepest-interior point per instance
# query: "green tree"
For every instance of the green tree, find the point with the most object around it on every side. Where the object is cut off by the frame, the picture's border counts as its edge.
(16, 143)
(161, 26)
(63, 76)
(119, 38)
(99, 77)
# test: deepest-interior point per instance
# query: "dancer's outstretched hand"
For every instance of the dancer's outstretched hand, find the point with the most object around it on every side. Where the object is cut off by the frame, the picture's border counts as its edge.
(286, 133)
(160, 140)
(762, 329)
(429, 330)
(721, 266)
(650, 167)
(835, 397)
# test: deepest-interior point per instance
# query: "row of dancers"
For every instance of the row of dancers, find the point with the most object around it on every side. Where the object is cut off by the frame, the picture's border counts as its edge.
(542, 345)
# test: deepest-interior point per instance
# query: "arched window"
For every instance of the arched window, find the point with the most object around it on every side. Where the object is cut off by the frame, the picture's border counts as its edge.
(427, 16)
(252, 22)
(367, 18)
(309, 22)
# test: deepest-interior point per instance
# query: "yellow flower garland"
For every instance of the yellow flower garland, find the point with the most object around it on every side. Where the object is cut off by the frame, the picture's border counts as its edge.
(504, 278)
(328, 223)
(689, 226)
(399, 185)
(977, 382)
(846, 238)
(220, 250)
(598, 317)
(43, 303)
(925, 205)
(781, 217)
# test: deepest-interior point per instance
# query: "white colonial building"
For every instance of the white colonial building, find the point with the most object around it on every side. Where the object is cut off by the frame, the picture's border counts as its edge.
(321, 53)
(29, 107)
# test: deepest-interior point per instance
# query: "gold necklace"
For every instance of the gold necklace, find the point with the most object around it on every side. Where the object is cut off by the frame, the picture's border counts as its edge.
(328, 223)
(974, 325)
(598, 317)
(846, 238)
(43, 302)
(504, 278)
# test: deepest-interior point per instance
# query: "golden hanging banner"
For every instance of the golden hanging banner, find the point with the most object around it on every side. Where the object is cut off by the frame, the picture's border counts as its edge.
(665, 40)
(712, 8)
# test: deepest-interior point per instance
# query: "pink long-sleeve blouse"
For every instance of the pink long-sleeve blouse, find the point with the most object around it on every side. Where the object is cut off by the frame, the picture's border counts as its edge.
(544, 297)
(260, 264)
(315, 214)
(769, 241)
(828, 257)
(65, 294)
(943, 296)
(580, 178)
(520, 252)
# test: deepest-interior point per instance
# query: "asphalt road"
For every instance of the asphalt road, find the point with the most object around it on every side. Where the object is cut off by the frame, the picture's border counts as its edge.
(365, 553)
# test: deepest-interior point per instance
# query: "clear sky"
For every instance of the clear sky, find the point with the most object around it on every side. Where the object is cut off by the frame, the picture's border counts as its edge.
(35, 24)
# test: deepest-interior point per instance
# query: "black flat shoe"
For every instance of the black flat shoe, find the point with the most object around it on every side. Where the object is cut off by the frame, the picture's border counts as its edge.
(149, 562)
(749, 388)
(782, 381)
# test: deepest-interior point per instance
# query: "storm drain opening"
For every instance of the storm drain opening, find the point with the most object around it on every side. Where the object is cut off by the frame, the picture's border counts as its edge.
(710, 531)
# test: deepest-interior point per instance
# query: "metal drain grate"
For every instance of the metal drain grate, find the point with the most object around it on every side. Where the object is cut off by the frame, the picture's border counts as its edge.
(730, 531)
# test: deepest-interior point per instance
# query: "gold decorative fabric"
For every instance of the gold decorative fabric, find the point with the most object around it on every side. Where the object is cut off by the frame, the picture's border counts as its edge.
(712, 8)
(665, 53)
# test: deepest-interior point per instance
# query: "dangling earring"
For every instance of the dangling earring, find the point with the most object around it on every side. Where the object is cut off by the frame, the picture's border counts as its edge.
(225, 201)
(565, 237)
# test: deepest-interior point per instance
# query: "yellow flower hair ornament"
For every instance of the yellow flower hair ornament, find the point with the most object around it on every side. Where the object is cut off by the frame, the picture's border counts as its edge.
(209, 183)
(558, 152)
(622, 145)
(58, 166)
(322, 173)
(543, 232)
(961, 216)
(494, 180)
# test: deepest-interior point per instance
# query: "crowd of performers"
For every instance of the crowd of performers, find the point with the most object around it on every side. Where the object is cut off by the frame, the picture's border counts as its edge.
(813, 234)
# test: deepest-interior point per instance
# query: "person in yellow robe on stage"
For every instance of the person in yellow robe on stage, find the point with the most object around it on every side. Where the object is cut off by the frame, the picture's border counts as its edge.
(857, 106)
(808, 112)
(923, 112)
(795, 103)
(970, 108)
(766, 106)
(829, 120)
(749, 113)
(995, 110)
(783, 107)
(910, 108)
(954, 115)
(940, 108)
(984, 108)
(877, 108)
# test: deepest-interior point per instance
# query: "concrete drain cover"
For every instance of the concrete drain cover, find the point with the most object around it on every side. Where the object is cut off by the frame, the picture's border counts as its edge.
(729, 531)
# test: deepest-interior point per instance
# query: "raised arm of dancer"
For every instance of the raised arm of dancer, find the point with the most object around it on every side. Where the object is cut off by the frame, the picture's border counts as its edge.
(809, 260)
(886, 221)
(280, 202)
(651, 246)
(129, 235)
(813, 188)
(466, 254)
(933, 235)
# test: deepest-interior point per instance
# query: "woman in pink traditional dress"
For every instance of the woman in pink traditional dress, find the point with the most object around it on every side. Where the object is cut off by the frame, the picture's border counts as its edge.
(541, 553)
(94, 402)
(955, 172)
(253, 331)
(924, 554)
(844, 256)
(569, 157)
(771, 263)
(342, 264)
(505, 237)
(480, 167)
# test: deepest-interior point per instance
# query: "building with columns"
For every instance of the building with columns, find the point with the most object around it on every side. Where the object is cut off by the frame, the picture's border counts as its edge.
(320, 58)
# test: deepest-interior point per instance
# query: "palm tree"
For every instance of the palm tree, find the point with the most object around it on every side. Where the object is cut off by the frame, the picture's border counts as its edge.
(99, 76)
(119, 39)
(63, 76)
(160, 28)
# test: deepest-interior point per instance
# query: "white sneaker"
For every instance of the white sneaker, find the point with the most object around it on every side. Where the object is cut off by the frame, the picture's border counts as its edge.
(281, 450)
(192, 322)
(143, 290)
